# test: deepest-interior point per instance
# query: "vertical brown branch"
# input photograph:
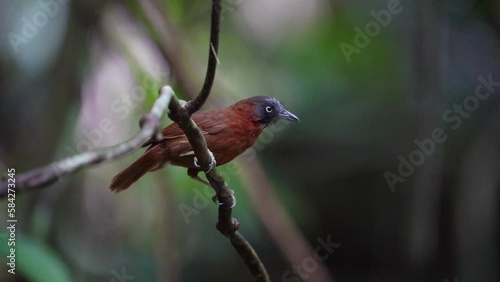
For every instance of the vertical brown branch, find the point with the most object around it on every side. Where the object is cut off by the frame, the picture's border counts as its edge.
(213, 50)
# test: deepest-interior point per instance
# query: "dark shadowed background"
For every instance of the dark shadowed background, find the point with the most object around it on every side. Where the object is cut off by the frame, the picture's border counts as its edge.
(392, 174)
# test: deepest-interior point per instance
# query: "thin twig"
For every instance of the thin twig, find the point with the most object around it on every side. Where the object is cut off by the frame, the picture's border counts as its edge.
(44, 176)
(215, 53)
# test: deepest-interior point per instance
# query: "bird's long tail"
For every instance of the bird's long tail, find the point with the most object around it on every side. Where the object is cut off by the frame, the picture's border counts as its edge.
(152, 160)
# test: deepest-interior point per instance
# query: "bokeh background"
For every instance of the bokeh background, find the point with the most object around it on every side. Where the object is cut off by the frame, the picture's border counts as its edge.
(77, 75)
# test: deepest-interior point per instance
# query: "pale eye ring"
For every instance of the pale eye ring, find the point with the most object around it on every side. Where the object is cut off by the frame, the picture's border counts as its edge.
(269, 109)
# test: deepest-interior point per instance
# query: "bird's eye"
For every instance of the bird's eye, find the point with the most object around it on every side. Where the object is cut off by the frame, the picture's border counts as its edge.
(269, 109)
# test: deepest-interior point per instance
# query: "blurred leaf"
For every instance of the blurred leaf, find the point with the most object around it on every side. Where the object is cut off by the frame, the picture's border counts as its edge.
(37, 261)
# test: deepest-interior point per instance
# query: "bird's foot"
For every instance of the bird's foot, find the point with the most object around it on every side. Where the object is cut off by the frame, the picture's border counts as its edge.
(212, 165)
(231, 195)
(182, 102)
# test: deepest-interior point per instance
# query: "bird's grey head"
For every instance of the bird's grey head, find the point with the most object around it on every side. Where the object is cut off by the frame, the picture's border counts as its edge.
(269, 109)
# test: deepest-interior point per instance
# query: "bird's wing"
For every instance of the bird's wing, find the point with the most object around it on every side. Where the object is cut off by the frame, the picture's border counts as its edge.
(210, 122)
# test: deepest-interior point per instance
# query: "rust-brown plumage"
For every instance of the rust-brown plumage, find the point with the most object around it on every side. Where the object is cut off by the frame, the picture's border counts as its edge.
(228, 132)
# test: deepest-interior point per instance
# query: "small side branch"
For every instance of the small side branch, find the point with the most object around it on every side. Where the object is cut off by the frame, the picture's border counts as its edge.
(44, 176)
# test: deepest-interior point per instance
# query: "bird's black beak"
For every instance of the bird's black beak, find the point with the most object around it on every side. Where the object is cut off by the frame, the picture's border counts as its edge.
(288, 116)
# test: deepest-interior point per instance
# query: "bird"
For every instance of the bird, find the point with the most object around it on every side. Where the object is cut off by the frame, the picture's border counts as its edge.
(228, 133)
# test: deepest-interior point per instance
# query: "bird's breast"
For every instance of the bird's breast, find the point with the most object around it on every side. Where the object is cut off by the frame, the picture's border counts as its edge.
(230, 143)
